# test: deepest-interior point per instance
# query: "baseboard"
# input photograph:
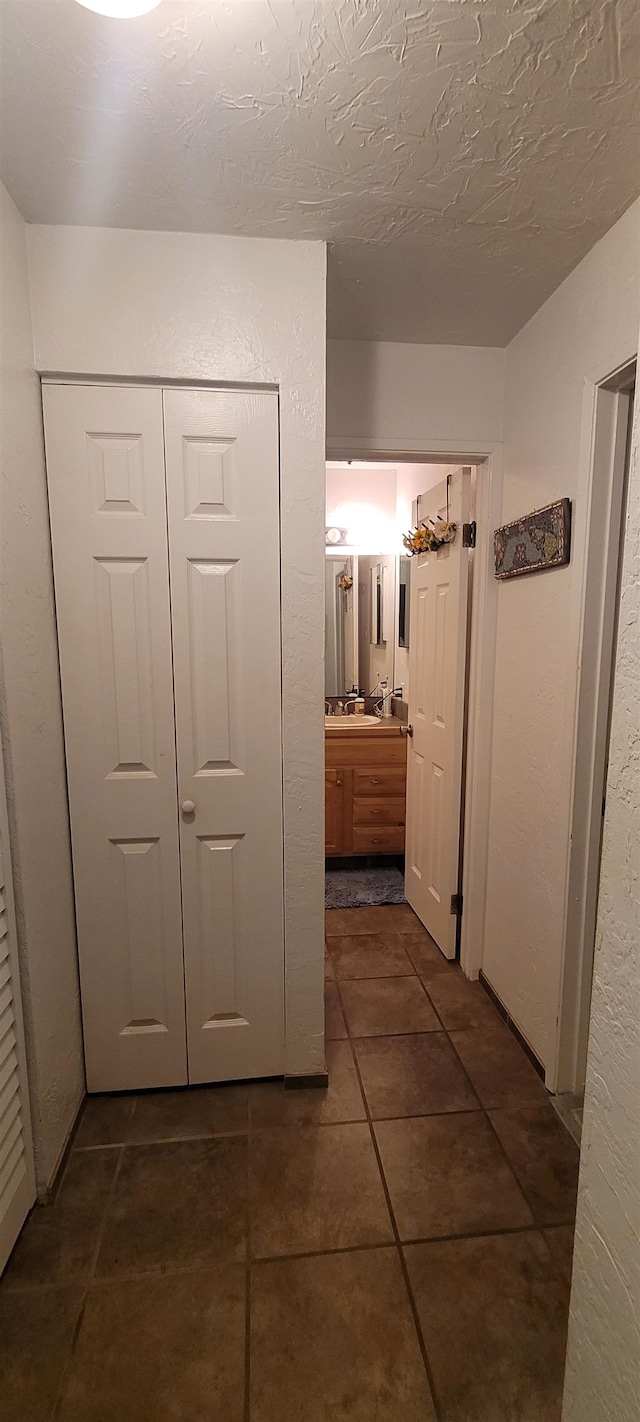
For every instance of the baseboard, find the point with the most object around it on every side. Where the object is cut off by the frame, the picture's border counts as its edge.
(301, 1083)
(506, 1015)
(47, 1193)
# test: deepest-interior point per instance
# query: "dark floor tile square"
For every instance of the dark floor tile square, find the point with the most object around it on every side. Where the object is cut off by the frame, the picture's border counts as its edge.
(413, 1075)
(544, 1158)
(499, 1069)
(384, 918)
(341, 922)
(315, 1188)
(559, 1240)
(447, 1175)
(427, 958)
(334, 1024)
(329, 974)
(36, 1334)
(403, 919)
(333, 1340)
(273, 1105)
(494, 1322)
(369, 956)
(58, 1242)
(161, 1350)
(459, 1002)
(194, 1111)
(105, 1120)
(178, 1205)
(380, 1007)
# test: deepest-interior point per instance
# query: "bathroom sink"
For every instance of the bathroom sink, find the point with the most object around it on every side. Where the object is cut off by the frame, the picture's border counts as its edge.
(349, 721)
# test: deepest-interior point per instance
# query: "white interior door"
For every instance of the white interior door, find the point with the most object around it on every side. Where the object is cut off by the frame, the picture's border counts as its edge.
(105, 462)
(17, 1186)
(437, 668)
(224, 521)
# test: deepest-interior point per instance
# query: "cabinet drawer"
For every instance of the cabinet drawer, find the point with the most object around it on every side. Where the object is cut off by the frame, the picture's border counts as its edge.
(376, 810)
(379, 782)
(384, 840)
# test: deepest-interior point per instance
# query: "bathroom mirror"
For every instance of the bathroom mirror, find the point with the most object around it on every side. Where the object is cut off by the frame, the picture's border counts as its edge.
(341, 624)
(361, 621)
(404, 567)
(376, 605)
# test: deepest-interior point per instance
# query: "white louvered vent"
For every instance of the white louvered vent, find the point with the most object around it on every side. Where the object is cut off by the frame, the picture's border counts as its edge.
(17, 1191)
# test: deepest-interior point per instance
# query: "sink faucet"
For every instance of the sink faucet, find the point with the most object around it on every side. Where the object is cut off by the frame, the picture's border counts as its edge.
(328, 708)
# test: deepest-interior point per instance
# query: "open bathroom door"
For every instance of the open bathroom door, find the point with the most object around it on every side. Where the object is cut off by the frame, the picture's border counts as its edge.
(437, 673)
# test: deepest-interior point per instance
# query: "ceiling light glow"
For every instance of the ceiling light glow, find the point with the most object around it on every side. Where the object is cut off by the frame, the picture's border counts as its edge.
(120, 9)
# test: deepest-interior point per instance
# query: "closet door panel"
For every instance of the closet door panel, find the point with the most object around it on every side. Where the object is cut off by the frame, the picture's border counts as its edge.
(223, 499)
(105, 463)
(17, 1183)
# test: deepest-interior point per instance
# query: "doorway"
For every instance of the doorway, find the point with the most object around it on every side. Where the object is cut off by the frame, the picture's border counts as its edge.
(406, 649)
(608, 416)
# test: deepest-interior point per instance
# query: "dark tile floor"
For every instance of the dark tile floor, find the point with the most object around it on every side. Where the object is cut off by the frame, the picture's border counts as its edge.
(397, 1247)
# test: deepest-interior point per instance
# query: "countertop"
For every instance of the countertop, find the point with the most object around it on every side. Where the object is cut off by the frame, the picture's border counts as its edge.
(391, 726)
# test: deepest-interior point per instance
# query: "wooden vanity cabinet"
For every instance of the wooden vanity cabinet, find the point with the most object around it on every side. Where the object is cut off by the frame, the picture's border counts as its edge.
(365, 788)
(333, 810)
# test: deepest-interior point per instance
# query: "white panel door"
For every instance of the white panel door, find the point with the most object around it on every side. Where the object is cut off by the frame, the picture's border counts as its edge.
(17, 1186)
(437, 666)
(223, 499)
(105, 462)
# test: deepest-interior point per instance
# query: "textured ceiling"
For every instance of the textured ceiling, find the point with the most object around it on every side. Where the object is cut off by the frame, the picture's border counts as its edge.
(460, 156)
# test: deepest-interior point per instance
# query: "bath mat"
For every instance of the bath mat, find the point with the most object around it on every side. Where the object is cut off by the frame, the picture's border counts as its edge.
(362, 888)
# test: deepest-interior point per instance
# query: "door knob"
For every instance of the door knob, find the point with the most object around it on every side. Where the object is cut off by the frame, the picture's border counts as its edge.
(188, 807)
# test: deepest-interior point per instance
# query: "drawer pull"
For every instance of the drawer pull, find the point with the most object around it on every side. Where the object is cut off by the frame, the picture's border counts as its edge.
(373, 781)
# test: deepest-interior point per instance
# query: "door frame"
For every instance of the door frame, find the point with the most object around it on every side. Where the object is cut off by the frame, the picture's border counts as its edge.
(488, 459)
(600, 531)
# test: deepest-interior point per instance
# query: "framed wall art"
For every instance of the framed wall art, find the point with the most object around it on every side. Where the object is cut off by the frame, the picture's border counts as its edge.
(539, 540)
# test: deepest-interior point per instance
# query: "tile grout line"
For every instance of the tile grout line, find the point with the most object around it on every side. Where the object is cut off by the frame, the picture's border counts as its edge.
(162, 1140)
(90, 1277)
(505, 1157)
(418, 1239)
(426, 990)
(190, 1271)
(398, 1244)
(535, 1225)
(484, 1109)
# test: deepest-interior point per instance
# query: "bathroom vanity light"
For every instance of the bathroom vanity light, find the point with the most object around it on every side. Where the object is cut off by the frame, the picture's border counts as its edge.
(120, 9)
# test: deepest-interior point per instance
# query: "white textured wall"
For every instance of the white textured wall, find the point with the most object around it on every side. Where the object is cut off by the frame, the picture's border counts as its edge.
(167, 305)
(406, 398)
(603, 1361)
(363, 500)
(587, 328)
(32, 727)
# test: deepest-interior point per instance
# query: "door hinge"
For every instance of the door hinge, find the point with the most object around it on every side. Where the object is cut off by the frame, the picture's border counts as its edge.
(456, 905)
(469, 535)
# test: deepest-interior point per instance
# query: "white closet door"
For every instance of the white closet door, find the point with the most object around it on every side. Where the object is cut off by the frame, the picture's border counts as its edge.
(17, 1185)
(105, 462)
(223, 497)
